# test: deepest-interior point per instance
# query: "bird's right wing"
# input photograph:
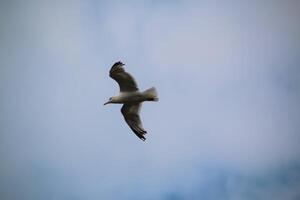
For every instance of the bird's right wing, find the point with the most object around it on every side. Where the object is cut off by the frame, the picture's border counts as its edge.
(132, 118)
(124, 79)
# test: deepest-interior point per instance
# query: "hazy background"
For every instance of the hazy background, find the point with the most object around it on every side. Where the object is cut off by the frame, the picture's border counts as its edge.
(227, 124)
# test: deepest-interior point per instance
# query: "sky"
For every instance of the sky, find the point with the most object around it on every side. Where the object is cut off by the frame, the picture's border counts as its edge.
(226, 126)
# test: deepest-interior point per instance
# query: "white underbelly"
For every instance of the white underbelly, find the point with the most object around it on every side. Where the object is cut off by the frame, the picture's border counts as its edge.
(130, 97)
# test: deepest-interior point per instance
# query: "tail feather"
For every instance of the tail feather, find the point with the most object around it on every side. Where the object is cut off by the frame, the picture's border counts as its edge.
(151, 94)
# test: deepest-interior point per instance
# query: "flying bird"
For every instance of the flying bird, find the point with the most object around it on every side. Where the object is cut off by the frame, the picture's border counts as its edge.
(131, 98)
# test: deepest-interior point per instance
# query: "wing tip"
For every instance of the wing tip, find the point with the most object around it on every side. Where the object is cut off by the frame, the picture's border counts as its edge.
(140, 133)
(119, 63)
(142, 138)
(116, 68)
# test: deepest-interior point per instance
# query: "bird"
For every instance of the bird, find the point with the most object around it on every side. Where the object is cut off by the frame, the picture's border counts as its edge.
(131, 98)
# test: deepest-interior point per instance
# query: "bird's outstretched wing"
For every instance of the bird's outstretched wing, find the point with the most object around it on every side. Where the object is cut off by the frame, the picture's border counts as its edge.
(124, 79)
(131, 115)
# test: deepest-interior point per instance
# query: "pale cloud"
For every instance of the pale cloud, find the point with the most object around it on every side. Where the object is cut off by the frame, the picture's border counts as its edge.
(227, 117)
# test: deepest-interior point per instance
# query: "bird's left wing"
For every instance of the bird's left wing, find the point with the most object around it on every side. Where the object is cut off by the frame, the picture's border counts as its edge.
(124, 79)
(132, 118)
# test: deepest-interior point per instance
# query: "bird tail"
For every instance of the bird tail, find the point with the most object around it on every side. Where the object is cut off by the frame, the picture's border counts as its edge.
(151, 94)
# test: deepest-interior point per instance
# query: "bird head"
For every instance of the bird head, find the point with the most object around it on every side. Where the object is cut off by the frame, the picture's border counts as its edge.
(110, 100)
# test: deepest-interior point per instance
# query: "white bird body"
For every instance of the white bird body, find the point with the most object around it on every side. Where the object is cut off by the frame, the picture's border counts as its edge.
(131, 97)
(134, 97)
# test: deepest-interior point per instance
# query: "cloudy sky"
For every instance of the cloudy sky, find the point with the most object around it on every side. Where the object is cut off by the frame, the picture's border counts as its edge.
(226, 126)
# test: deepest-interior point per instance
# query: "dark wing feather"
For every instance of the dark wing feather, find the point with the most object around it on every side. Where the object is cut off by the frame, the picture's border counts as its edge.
(124, 79)
(132, 118)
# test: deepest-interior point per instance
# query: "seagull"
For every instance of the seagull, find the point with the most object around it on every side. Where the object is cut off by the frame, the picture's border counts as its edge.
(131, 98)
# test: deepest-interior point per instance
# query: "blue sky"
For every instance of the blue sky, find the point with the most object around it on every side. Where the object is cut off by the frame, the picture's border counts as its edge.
(226, 126)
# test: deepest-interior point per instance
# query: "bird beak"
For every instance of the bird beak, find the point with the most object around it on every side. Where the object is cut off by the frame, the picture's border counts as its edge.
(106, 103)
